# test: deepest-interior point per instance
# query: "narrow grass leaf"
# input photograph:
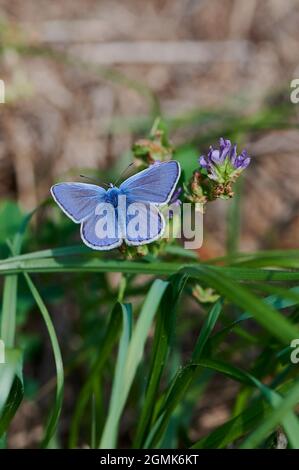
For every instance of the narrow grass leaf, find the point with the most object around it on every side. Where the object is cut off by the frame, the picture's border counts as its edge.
(289, 421)
(93, 263)
(182, 380)
(264, 314)
(9, 307)
(161, 345)
(289, 401)
(137, 343)
(11, 371)
(109, 435)
(206, 331)
(54, 417)
(109, 339)
(141, 331)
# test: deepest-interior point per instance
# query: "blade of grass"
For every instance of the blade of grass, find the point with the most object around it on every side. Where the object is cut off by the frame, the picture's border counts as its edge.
(9, 307)
(173, 397)
(93, 433)
(277, 416)
(109, 339)
(12, 400)
(182, 381)
(289, 421)
(97, 264)
(54, 416)
(137, 343)
(181, 252)
(12, 389)
(264, 314)
(280, 292)
(161, 344)
(235, 428)
(276, 256)
(279, 258)
(11, 371)
(109, 435)
(141, 331)
(276, 301)
(206, 331)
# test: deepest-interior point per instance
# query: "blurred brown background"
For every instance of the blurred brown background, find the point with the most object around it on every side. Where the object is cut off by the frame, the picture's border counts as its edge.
(84, 78)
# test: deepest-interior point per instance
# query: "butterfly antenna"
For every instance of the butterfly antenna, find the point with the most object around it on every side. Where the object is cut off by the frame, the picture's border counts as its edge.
(94, 181)
(123, 173)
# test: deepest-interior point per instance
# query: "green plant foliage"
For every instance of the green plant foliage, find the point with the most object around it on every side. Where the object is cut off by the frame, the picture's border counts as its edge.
(140, 364)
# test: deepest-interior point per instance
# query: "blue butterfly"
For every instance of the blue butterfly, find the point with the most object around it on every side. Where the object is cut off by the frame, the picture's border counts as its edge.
(129, 213)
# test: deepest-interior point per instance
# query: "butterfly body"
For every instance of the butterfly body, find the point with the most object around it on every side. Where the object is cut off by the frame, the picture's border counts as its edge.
(126, 213)
(112, 196)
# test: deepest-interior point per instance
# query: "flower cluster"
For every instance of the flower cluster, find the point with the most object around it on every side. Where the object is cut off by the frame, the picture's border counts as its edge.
(218, 170)
(224, 165)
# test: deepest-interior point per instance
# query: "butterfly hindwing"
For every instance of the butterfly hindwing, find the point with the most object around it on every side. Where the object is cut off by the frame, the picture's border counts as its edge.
(95, 233)
(144, 224)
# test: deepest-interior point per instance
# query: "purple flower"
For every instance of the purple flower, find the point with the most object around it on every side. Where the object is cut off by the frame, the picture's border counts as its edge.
(224, 164)
(241, 161)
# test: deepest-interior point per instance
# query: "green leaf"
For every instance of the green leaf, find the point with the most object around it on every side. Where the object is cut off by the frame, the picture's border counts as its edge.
(235, 428)
(70, 260)
(263, 313)
(11, 390)
(289, 421)
(173, 396)
(161, 345)
(109, 435)
(135, 349)
(12, 403)
(9, 308)
(11, 374)
(278, 415)
(141, 331)
(109, 339)
(182, 380)
(206, 331)
(275, 258)
(238, 426)
(54, 417)
(275, 300)
(181, 252)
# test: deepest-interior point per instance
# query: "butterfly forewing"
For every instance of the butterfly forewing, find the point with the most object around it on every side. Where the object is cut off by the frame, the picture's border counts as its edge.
(155, 184)
(78, 200)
